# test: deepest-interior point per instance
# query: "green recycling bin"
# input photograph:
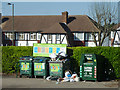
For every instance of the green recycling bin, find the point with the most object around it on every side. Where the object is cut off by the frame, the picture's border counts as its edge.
(92, 67)
(58, 68)
(41, 66)
(26, 66)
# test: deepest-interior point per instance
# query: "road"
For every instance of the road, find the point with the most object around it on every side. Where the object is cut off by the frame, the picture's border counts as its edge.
(12, 82)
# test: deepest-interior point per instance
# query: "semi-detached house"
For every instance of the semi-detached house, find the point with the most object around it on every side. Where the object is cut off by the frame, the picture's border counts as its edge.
(73, 30)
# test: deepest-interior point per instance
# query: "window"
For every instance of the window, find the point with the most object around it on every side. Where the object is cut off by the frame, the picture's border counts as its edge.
(58, 37)
(89, 36)
(49, 37)
(32, 36)
(38, 36)
(20, 36)
(9, 36)
(78, 36)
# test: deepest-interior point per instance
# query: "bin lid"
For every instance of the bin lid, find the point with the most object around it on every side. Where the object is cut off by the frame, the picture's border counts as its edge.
(55, 61)
(26, 58)
(40, 58)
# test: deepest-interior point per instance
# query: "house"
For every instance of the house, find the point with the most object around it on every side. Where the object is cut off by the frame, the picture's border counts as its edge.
(73, 30)
(115, 36)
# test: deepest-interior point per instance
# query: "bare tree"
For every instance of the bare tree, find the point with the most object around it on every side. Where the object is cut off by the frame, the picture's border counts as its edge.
(104, 15)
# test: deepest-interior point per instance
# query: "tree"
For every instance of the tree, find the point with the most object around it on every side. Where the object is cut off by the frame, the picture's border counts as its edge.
(104, 15)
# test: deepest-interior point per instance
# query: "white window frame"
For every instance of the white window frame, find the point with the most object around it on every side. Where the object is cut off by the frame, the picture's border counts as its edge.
(38, 36)
(88, 36)
(49, 36)
(57, 36)
(8, 36)
(78, 36)
(33, 36)
(20, 36)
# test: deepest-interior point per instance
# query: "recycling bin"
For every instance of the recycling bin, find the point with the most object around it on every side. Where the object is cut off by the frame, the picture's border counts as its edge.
(58, 68)
(26, 66)
(92, 67)
(41, 66)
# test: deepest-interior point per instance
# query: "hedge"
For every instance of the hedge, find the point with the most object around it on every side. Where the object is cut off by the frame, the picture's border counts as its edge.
(11, 55)
(112, 54)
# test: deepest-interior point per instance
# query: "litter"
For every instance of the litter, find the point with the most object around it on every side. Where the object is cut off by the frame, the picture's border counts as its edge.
(60, 57)
(53, 56)
(48, 78)
(69, 77)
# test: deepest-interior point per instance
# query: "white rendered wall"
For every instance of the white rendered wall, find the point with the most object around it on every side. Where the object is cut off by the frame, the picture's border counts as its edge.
(90, 44)
(24, 43)
(64, 40)
(43, 40)
(54, 39)
(117, 38)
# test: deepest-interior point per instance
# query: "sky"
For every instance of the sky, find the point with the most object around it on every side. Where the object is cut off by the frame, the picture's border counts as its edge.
(49, 7)
(60, 0)
(46, 8)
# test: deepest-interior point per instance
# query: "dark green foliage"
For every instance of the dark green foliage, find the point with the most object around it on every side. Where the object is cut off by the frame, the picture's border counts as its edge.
(11, 55)
(112, 54)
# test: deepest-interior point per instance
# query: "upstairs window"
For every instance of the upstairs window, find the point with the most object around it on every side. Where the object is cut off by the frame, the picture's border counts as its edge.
(33, 36)
(8, 36)
(58, 37)
(78, 36)
(21, 36)
(49, 37)
(88, 36)
(38, 36)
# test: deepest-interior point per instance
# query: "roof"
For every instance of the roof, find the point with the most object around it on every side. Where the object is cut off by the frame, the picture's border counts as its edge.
(55, 28)
(82, 23)
(116, 27)
(48, 24)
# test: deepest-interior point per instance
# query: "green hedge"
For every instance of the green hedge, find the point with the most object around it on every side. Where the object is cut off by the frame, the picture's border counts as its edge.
(11, 55)
(112, 54)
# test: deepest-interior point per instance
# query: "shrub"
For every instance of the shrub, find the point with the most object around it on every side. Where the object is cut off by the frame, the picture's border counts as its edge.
(11, 55)
(112, 54)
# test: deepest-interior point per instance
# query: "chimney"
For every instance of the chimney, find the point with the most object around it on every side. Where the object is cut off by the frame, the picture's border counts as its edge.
(64, 17)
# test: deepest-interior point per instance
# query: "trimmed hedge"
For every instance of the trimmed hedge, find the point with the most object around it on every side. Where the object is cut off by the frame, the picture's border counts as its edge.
(11, 55)
(112, 54)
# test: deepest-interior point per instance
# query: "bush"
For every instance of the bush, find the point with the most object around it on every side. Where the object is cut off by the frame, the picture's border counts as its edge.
(112, 54)
(11, 55)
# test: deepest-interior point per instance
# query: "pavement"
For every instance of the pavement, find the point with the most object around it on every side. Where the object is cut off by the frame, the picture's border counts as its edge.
(12, 82)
